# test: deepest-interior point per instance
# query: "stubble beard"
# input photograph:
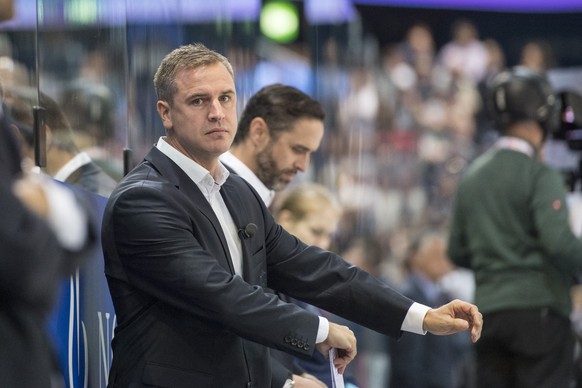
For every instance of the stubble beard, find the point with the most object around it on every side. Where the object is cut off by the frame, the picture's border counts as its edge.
(267, 170)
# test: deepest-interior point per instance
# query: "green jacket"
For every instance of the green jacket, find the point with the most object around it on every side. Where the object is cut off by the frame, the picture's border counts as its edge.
(510, 226)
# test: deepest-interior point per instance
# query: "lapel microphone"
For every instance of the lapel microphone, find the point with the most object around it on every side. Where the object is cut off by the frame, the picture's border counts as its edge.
(248, 231)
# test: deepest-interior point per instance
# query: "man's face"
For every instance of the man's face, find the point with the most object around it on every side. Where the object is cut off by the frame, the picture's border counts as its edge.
(432, 259)
(201, 121)
(280, 160)
(316, 228)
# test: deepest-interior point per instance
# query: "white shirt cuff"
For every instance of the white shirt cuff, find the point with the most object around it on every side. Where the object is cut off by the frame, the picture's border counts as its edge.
(67, 218)
(415, 318)
(322, 330)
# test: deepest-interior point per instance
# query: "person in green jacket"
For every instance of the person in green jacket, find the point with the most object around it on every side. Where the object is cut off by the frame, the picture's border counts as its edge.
(510, 226)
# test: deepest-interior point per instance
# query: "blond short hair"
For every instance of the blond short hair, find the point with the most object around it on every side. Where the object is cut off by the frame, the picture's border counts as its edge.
(189, 56)
(305, 199)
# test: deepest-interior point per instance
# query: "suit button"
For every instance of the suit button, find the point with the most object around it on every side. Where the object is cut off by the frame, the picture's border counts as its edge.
(294, 342)
(288, 339)
(306, 346)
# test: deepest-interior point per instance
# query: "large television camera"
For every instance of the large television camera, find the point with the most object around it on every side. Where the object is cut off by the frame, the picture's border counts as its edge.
(570, 131)
(570, 128)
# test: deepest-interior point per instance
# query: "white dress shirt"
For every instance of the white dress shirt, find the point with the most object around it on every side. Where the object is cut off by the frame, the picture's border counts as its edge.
(210, 187)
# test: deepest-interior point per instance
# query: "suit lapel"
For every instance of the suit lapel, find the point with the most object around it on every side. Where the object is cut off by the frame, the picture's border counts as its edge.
(182, 182)
(233, 200)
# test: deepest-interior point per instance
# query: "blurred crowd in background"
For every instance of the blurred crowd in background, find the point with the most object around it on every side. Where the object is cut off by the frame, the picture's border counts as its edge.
(403, 122)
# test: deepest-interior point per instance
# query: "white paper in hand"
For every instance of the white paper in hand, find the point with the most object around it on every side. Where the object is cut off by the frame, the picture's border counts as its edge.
(337, 380)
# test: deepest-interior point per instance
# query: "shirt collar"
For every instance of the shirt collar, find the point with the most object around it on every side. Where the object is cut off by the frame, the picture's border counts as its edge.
(196, 172)
(246, 173)
(515, 144)
(78, 161)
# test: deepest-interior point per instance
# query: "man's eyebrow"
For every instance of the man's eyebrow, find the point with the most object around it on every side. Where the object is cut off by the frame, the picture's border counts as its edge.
(197, 94)
(301, 147)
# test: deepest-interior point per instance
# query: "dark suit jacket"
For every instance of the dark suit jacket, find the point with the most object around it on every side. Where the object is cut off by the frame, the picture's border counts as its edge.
(318, 364)
(282, 363)
(184, 318)
(33, 265)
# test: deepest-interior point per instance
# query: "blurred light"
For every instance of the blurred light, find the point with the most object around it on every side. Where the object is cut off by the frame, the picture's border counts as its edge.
(569, 115)
(279, 21)
(60, 13)
(81, 11)
(329, 11)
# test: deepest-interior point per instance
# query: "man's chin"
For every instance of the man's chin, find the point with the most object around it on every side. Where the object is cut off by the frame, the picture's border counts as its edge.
(281, 184)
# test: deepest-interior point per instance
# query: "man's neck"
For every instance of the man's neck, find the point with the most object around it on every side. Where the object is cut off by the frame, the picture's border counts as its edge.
(244, 153)
(240, 168)
(529, 131)
(210, 163)
(57, 159)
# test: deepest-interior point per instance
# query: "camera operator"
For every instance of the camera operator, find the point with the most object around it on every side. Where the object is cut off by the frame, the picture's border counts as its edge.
(511, 227)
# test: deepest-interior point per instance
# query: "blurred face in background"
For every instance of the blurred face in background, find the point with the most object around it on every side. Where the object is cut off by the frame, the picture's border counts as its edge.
(315, 228)
(283, 156)
(431, 258)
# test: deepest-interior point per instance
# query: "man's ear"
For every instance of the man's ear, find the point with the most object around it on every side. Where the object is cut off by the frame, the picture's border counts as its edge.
(259, 132)
(164, 112)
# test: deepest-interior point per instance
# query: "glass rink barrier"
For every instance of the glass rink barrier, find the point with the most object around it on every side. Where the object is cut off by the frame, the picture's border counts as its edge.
(403, 116)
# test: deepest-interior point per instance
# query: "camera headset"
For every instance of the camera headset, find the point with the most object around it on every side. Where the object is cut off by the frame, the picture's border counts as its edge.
(521, 94)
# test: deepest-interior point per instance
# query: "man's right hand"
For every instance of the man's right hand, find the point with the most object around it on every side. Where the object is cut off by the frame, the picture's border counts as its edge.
(344, 340)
